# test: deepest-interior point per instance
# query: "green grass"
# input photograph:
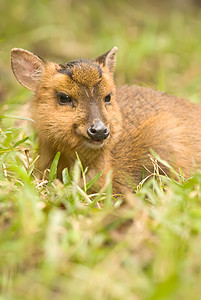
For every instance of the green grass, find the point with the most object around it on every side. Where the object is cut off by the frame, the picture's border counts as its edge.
(57, 241)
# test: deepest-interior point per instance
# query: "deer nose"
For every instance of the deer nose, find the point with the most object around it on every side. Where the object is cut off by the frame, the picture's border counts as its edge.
(98, 131)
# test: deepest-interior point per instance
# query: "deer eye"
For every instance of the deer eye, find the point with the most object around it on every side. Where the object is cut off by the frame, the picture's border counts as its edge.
(64, 99)
(107, 99)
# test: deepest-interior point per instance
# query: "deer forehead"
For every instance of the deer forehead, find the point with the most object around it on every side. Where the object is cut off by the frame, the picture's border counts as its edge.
(83, 72)
(81, 78)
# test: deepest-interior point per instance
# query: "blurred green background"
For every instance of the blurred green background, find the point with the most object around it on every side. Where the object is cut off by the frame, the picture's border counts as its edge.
(149, 249)
(159, 41)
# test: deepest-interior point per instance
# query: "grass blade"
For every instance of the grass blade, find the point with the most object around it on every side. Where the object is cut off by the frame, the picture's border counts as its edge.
(93, 181)
(20, 142)
(53, 169)
(16, 117)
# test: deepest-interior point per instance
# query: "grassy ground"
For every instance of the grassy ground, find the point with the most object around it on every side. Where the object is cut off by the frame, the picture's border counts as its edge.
(91, 249)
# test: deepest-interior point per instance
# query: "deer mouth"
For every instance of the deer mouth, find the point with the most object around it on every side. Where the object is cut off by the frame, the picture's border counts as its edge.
(94, 144)
(89, 142)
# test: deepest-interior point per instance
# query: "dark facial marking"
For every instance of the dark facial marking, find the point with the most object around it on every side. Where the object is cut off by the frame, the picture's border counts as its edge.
(73, 63)
(66, 71)
(68, 67)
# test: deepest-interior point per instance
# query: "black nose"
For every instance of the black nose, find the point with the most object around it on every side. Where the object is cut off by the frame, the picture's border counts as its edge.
(98, 131)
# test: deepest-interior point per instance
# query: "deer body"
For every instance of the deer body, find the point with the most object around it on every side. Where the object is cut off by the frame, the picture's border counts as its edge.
(77, 108)
(153, 120)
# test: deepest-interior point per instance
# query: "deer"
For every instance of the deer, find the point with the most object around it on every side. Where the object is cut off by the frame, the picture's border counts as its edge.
(78, 110)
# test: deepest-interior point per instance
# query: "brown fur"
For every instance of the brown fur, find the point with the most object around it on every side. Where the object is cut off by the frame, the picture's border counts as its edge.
(139, 119)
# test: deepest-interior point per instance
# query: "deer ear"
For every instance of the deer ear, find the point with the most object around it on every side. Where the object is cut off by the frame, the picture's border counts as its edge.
(108, 59)
(27, 68)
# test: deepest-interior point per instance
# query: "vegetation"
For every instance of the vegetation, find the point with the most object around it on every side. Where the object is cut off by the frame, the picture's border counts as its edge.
(56, 240)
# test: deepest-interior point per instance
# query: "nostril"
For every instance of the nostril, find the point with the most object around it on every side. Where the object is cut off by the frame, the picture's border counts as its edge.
(92, 130)
(106, 133)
